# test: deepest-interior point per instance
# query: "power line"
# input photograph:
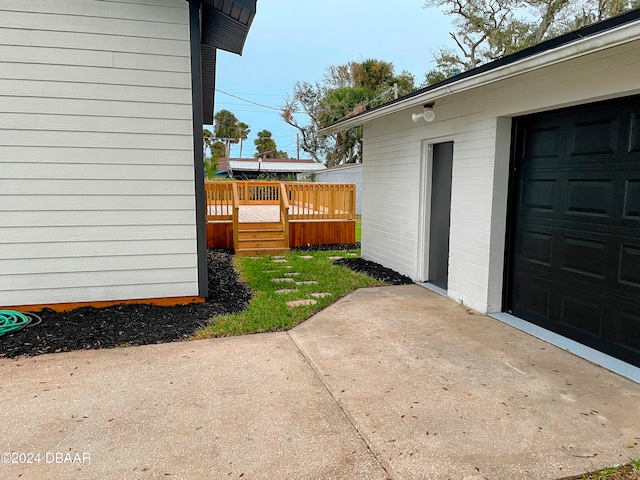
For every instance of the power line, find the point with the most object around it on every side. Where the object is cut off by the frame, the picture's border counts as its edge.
(248, 101)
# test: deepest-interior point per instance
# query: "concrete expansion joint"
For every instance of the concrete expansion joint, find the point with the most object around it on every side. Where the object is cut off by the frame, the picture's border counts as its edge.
(349, 418)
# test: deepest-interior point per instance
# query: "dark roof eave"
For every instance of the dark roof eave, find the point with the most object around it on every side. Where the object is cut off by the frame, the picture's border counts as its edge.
(225, 25)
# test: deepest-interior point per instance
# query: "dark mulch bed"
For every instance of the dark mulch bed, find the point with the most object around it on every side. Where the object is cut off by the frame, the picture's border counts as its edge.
(138, 324)
(374, 270)
(331, 246)
(91, 328)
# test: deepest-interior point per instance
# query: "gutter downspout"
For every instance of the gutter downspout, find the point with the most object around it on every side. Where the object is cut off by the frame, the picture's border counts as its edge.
(198, 160)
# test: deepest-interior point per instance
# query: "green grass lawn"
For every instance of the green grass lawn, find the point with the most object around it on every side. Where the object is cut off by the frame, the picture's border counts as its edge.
(268, 310)
(628, 471)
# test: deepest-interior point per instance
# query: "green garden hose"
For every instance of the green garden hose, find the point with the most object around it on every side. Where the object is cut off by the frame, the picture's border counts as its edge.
(11, 321)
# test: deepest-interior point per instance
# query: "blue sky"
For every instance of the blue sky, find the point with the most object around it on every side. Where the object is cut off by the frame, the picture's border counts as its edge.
(296, 40)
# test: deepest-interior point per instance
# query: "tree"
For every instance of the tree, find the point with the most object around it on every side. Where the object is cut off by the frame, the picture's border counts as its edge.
(243, 134)
(226, 128)
(265, 145)
(346, 90)
(489, 29)
(217, 149)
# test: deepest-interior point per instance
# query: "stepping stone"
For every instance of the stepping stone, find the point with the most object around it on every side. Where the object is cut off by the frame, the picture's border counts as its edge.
(353, 254)
(282, 280)
(254, 258)
(284, 291)
(335, 258)
(288, 266)
(277, 257)
(279, 260)
(320, 294)
(301, 303)
(306, 257)
(306, 282)
(269, 271)
(291, 274)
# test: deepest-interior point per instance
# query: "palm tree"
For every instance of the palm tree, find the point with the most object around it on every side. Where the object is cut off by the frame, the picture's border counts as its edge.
(243, 134)
(265, 145)
(225, 128)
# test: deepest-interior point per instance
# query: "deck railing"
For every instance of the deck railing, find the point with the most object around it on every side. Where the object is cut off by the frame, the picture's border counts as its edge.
(236, 216)
(320, 201)
(219, 200)
(258, 193)
(284, 212)
(304, 200)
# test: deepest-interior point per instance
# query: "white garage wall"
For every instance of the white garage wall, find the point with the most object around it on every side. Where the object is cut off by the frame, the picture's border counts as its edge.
(96, 157)
(478, 121)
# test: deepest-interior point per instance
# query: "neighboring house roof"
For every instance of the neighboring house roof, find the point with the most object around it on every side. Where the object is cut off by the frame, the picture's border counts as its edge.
(225, 25)
(223, 164)
(274, 165)
(619, 29)
(345, 165)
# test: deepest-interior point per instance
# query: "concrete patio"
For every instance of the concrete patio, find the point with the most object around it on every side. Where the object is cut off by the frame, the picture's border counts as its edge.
(392, 382)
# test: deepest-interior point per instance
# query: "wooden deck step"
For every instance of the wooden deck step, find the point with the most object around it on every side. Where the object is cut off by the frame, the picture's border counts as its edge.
(242, 226)
(258, 238)
(261, 243)
(258, 233)
(262, 251)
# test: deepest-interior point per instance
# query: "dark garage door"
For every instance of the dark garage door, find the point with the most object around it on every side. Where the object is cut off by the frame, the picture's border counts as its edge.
(574, 254)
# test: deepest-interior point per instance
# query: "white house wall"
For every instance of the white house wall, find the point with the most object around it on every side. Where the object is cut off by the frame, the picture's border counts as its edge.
(479, 123)
(96, 155)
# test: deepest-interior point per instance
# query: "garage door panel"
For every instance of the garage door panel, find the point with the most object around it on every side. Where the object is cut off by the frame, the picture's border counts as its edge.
(595, 136)
(629, 266)
(582, 313)
(538, 194)
(534, 298)
(590, 198)
(543, 142)
(627, 331)
(632, 200)
(634, 134)
(536, 247)
(584, 256)
(575, 225)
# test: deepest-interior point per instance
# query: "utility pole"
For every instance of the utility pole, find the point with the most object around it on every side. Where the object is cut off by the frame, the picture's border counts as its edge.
(395, 91)
(298, 146)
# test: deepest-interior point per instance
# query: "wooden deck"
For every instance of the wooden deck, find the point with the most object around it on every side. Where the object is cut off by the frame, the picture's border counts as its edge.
(253, 213)
(268, 217)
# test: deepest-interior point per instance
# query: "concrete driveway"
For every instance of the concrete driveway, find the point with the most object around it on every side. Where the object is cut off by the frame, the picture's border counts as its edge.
(393, 382)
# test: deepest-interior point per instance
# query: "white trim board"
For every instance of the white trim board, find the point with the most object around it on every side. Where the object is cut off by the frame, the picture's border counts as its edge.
(593, 356)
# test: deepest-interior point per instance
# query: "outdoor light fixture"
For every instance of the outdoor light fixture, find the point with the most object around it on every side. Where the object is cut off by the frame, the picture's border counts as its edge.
(427, 114)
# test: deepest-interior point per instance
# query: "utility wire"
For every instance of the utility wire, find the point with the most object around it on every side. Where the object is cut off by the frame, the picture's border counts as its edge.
(248, 101)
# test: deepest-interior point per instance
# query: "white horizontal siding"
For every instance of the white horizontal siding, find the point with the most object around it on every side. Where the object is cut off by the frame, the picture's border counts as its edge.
(96, 202)
(71, 187)
(91, 74)
(478, 121)
(88, 24)
(96, 153)
(98, 248)
(91, 107)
